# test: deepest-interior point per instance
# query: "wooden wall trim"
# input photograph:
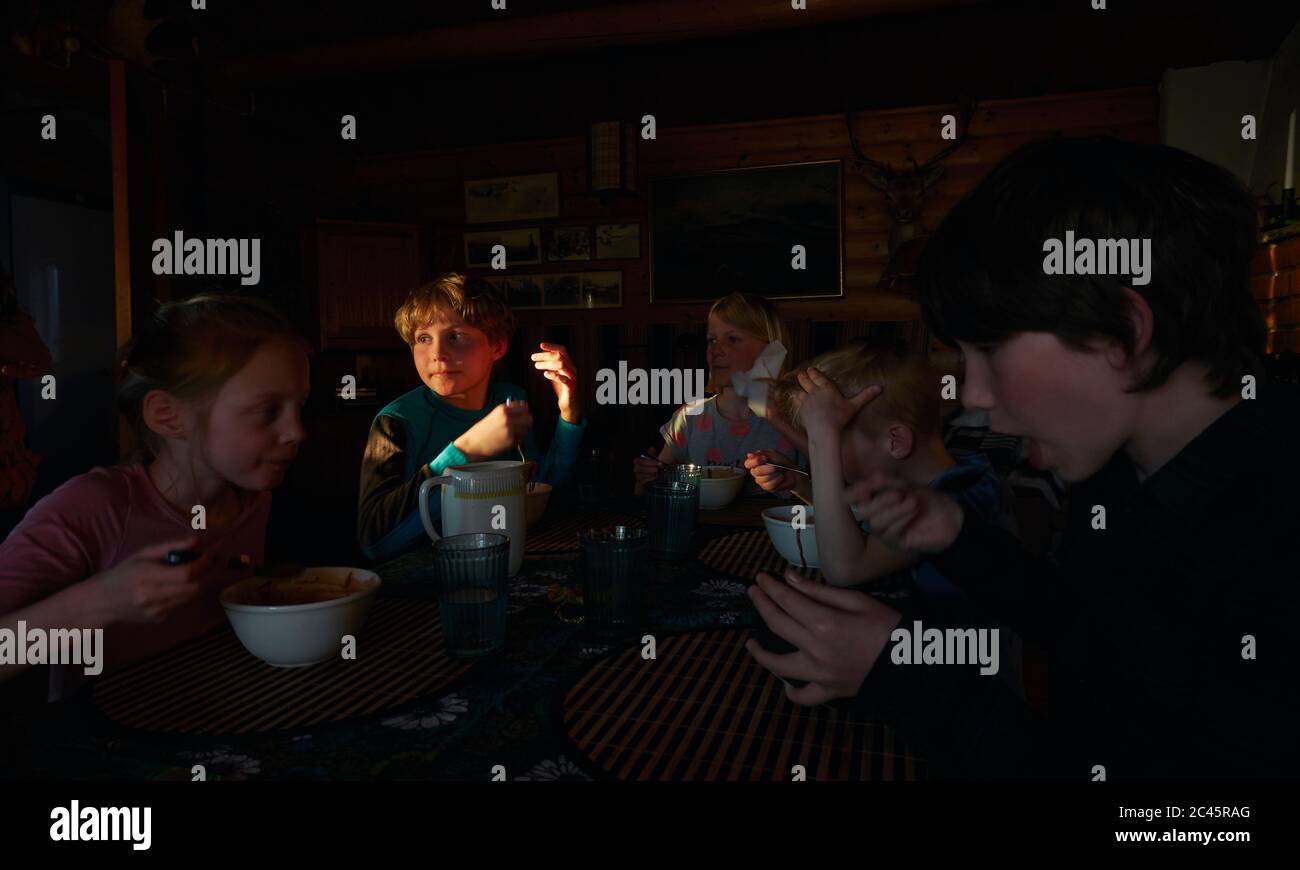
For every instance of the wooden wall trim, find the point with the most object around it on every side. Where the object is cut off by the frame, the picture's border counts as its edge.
(121, 215)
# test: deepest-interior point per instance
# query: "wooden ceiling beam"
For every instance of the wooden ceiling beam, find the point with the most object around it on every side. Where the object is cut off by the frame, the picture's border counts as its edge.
(646, 22)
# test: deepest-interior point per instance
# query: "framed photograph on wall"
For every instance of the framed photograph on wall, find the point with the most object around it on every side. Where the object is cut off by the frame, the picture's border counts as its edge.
(602, 289)
(568, 243)
(618, 241)
(715, 233)
(514, 198)
(523, 247)
(524, 291)
(562, 291)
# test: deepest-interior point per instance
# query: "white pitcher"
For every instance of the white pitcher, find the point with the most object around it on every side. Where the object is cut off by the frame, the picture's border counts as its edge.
(470, 495)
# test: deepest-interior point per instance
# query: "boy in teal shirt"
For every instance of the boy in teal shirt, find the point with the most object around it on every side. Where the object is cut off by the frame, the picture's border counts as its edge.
(456, 328)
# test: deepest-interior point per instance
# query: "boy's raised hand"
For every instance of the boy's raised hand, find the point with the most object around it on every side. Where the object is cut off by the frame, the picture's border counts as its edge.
(824, 407)
(904, 516)
(839, 632)
(554, 362)
(503, 428)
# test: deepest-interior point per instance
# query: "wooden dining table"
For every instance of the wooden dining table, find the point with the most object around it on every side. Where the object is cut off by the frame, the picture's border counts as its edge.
(678, 698)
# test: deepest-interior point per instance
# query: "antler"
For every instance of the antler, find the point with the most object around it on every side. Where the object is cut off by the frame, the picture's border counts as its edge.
(966, 113)
(883, 168)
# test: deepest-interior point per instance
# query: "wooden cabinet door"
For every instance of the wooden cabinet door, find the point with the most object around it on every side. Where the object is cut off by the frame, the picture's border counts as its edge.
(365, 271)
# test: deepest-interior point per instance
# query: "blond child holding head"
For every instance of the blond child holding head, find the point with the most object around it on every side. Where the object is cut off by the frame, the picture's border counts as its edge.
(868, 411)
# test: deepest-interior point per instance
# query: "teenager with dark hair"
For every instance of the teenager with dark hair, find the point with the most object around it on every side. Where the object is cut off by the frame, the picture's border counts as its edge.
(1167, 613)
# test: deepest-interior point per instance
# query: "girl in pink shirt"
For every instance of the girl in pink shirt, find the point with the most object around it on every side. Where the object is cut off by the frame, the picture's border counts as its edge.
(213, 388)
(723, 430)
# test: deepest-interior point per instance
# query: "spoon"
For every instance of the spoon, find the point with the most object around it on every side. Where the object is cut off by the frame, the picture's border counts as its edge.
(518, 446)
(652, 459)
(767, 461)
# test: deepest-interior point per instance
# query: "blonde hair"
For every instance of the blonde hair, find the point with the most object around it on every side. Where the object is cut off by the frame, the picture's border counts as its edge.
(476, 301)
(189, 348)
(910, 395)
(754, 315)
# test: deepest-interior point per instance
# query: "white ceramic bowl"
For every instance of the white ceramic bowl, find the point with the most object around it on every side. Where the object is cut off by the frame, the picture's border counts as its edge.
(296, 635)
(721, 489)
(787, 540)
(535, 499)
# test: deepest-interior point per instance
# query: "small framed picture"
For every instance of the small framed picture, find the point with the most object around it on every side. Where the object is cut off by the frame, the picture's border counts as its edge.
(602, 289)
(514, 198)
(522, 247)
(618, 241)
(568, 243)
(524, 291)
(562, 291)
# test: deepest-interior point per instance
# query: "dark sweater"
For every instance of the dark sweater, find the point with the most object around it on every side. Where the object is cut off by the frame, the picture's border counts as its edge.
(1143, 622)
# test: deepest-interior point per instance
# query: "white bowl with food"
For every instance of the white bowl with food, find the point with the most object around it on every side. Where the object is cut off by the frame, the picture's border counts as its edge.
(796, 546)
(719, 486)
(535, 498)
(292, 622)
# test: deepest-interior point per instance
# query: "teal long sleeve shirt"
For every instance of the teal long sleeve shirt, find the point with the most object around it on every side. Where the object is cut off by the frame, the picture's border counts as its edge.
(411, 440)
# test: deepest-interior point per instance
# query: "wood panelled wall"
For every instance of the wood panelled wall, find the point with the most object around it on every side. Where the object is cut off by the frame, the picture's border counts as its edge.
(427, 189)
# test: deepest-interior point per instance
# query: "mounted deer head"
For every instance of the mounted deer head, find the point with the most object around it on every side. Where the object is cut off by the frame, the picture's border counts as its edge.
(905, 189)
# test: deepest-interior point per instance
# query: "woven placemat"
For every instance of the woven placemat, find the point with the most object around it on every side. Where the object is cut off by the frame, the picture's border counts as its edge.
(213, 685)
(560, 535)
(703, 709)
(744, 511)
(744, 554)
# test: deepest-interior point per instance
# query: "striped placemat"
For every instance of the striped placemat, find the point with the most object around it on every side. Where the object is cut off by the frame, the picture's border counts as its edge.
(744, 511)
(703, 709)
(560, 535)
(744, 554)
(213, 685)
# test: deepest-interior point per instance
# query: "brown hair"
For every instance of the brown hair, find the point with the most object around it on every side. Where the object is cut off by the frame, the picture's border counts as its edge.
(476, 301)
(189, 349)
(911, 387)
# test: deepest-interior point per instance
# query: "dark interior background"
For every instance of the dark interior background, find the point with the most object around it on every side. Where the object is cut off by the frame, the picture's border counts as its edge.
(233, 118)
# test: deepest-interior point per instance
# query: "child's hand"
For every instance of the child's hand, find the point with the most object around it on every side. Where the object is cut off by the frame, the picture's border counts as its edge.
(645, 470)
(503, 428)
(769, 477)
(824, 407)
(143, 588)
(555, 364)
(839, 634)
(904, 516)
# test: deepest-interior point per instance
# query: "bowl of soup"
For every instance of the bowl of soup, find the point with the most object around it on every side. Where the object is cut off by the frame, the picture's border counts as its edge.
(292, 622)
(719, 486)
(798, 546)
(535, 498)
